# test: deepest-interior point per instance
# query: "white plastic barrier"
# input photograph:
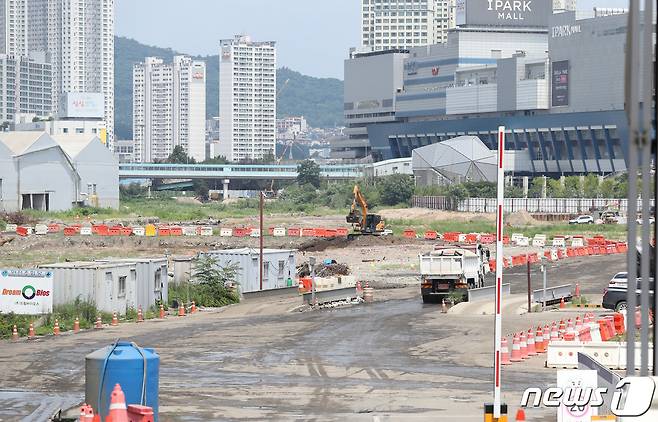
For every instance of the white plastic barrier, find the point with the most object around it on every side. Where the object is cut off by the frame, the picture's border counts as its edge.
(206, 231)
(189, 230)
(11, 228)
(538, 242)
(226, 232)
(516, 236)
(85, 231)
(594, 331)
(522, 241)
(559, 242)
(279, 232)
(611, 354)
(41, 229)
(30, 230)
(255, 233)
(577, 242)
(138, 231)
(461, 238)
(563, 354)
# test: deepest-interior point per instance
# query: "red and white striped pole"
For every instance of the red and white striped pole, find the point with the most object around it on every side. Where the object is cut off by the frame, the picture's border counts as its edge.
(499, 269)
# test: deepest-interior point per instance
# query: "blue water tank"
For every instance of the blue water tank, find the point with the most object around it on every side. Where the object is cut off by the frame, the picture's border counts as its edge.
(136, 369)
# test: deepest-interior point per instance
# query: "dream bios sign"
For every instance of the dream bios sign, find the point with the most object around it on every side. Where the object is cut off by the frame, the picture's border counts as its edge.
(526, 13)
(27, 292)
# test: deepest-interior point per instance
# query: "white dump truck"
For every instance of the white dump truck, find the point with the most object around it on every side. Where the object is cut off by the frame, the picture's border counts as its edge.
(452, 269)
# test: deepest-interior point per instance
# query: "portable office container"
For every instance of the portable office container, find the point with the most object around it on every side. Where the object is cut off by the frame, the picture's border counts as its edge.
(151, 281)
(182, 268)
(106, 284)
(278, 267)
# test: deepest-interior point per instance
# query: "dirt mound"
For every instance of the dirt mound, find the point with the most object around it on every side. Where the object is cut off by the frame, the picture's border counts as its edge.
(323, 270)
(520, 219)
(428, 215)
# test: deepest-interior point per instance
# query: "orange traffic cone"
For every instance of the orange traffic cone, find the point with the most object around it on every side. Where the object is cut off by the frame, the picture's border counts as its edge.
(562, 306)
(577, 292)
(86, 413)
(444, 308)
(76, 326)
(14, 334)
(118, 408)
(193, 307)
(162, 312)
(516, 350)
(523, 345)
(531, 343)
(367, 285)
(359, 288)
(569, 325)
(562, 328)
(181, 310)
(555, 335)
(115, 320)
(30, 333)
(547, 336)
(504, 352)
(99, 323)
(520, 415)
(539, 341)
(140, 315)
(56, 328)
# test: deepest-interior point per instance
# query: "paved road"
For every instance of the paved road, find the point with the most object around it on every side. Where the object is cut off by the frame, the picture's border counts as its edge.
(397, 360)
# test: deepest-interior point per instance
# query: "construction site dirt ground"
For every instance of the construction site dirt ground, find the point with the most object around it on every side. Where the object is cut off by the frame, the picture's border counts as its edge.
(395, 359)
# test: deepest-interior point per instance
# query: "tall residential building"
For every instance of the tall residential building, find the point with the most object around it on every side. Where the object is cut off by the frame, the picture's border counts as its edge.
(247, 98)
(25, 87)
(80, 45)
(75, 36)
(169, 108)
(403, 24)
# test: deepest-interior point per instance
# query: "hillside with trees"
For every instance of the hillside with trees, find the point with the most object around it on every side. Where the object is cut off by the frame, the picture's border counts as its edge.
(320, 100)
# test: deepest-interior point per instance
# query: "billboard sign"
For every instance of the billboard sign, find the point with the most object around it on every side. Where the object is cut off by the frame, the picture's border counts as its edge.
(82, 105)
(560, 84)
(524, 13)
(28, 292)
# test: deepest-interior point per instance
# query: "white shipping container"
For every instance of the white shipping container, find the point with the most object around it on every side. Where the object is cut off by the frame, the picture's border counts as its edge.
(278, 265)
(105, 284)
(151, 281)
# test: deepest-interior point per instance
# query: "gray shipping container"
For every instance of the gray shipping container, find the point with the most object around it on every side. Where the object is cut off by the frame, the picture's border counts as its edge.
(105, 284)
(278, 265)
(151, 281)
(182, 268)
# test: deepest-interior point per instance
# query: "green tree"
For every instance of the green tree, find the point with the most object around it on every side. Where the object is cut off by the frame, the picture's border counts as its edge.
(555, 189)
(308, 172)
(395, 189)
(220, 159)
(536, 187)
(212, 281)
(457, 193)
(591, 186)
(201, 189)
(178, 156)
(572, 187)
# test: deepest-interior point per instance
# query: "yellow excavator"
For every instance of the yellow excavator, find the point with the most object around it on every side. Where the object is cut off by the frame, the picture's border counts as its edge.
(364, 223)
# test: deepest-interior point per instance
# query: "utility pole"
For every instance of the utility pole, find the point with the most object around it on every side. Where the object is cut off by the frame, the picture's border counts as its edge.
(260, 238)
(543, 298)
(529, 286)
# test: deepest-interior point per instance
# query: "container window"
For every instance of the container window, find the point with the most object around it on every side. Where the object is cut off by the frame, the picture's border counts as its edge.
(282, 265)
(122, 285)
(157, 278)
(266, 270)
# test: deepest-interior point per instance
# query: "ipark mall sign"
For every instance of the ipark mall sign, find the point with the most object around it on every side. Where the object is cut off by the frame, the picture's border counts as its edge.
(516, 13)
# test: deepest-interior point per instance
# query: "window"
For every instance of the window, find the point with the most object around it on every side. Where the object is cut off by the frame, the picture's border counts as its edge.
(157, 284)
(266, 270)
(122, 286)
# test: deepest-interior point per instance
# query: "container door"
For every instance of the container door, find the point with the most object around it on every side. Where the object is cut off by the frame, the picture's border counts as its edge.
(132, 290)
(108, 297)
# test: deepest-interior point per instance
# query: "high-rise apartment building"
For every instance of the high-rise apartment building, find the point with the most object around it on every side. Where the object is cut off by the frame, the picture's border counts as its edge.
(247, 98)
(169, 108)
(403, 24)
(25, 87)
(75, 36)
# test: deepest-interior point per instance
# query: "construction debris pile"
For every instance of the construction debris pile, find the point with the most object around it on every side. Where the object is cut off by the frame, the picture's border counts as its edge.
(325, 269)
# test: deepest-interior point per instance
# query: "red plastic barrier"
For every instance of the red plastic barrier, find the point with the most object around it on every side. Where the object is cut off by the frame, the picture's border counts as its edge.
(492, 265)
(451, 236)
(506, 263)
(114, 231)
(69, 231)
(487, 238)
(176, 231)
(139, 413)
(560, 255)
(126, 231)
(308, 232)
(53, 228)
(471, 238)
(320, 232)
(571, 252)
(270, 231)
(430, 235)
(342, 231)
(409, 234)
(294, 232)
(533, 258)
(329, 233)
(76, 227)
(241, 231)
(505, 240)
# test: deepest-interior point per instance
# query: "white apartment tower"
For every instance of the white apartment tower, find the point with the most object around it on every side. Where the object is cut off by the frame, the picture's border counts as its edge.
(75, 36)
(169, 108)
(247, 98)
(403, 24)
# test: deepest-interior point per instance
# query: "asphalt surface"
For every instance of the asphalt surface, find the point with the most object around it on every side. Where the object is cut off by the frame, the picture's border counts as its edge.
(393, 360)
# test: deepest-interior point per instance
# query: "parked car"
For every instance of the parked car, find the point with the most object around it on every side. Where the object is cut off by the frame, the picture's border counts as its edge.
(651, 220)
(619, 280)
(582, 219)
(615, 297)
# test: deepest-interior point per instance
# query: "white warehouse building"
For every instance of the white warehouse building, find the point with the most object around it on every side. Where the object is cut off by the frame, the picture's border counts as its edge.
(40, 172)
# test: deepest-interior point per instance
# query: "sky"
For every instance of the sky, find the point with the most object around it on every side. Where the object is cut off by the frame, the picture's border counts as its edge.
(313, 36)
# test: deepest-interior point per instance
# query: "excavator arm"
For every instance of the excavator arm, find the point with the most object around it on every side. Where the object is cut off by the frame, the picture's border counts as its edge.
(359, 200)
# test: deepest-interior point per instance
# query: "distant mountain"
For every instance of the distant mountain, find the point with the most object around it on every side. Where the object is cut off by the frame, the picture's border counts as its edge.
(320, 100)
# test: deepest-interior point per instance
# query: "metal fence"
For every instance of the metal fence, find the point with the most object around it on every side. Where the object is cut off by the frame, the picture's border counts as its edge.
(532, 205)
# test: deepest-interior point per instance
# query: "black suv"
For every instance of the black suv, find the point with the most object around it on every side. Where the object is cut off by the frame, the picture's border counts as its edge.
(615, 297)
